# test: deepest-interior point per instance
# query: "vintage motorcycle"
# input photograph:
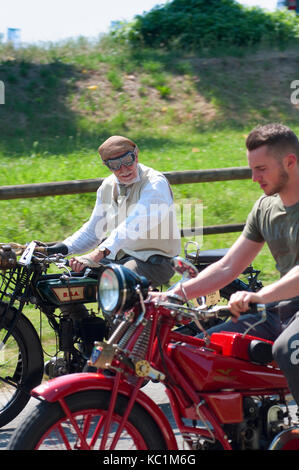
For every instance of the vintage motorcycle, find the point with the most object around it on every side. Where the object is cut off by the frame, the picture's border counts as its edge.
(26, 280)
(225, 391)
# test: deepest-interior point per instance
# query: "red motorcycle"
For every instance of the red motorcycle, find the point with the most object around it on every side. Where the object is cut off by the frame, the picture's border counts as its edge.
(225, 391)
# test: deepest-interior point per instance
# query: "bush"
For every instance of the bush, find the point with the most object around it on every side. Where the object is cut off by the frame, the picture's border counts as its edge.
(197, 24)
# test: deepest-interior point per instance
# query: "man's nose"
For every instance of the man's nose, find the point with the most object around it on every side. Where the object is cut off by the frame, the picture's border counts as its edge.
(254, 176)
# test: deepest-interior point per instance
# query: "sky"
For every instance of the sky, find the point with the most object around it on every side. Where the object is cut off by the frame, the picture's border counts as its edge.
(55, 20)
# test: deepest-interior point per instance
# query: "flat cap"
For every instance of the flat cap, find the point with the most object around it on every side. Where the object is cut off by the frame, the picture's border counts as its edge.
(116, 146)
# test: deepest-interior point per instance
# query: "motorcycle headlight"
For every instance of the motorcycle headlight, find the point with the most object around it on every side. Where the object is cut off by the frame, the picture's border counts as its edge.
(117, 289)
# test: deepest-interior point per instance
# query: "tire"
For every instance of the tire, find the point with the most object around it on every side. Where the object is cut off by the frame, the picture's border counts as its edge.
(286, 440)
(21, 361)
(41, 430)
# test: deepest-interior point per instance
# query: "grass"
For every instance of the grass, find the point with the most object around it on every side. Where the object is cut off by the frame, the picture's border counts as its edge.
(185, 112)
(53, 218)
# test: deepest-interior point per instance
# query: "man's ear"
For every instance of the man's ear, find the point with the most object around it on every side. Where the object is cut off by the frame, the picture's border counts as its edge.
(290, 160)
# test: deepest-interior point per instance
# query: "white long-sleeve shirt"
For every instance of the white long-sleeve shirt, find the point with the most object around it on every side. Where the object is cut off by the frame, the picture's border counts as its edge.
(153, 206)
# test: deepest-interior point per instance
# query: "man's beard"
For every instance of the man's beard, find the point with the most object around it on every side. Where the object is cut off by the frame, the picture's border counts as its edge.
(283, 178)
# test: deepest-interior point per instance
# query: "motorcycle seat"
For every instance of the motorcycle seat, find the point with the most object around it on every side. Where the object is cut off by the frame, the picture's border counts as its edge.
(207, 256)
(203, 258)
(259, 351)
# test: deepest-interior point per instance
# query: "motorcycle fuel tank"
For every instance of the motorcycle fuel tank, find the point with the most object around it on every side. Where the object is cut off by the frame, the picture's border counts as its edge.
(210, 369)
(57, 291)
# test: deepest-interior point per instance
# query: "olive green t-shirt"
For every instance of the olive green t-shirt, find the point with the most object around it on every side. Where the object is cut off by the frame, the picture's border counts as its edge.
(278, 226)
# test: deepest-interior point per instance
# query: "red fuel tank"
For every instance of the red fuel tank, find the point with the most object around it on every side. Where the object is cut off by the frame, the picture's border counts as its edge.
(225, 364)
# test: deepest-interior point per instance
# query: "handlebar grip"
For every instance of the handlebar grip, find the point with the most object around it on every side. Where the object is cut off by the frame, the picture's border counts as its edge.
(253, 308)
(57, 248)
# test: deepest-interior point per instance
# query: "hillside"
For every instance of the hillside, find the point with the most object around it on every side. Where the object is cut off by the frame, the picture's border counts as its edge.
(84, 92)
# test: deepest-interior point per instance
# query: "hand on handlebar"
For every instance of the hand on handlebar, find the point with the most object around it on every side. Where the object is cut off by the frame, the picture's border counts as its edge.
(91, 260)
(160, 296)
(240, 301)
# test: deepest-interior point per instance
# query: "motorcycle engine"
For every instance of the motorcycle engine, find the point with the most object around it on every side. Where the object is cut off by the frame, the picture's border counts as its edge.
(55, 367)
(263, 419)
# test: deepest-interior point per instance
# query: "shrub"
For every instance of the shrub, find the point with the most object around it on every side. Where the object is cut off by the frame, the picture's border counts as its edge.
(197, 24)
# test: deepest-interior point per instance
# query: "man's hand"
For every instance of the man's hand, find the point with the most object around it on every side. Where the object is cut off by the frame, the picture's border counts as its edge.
(158, 296)
(239, 302)
(91, 260)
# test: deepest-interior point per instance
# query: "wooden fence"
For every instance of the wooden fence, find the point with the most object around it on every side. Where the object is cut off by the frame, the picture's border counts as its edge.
(174, 177)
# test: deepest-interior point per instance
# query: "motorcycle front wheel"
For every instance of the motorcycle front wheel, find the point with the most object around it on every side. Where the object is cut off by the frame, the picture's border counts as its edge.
(21, 365)
(48, 428)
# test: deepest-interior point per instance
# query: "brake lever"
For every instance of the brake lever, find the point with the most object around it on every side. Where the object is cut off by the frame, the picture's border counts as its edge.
(65, 264)
(260, 309)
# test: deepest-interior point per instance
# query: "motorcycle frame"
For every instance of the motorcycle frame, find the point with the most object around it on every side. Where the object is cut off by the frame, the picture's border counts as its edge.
(207, 406)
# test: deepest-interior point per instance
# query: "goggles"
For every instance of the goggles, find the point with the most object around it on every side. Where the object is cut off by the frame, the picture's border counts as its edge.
(127, 159)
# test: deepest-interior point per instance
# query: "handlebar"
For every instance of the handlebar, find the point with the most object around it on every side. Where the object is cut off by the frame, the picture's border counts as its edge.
(203, 312)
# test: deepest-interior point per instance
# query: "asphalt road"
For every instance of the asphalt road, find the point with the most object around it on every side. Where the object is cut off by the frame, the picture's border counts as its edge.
(155, 391)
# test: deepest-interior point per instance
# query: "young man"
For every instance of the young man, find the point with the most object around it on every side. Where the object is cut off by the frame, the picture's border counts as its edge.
(134, 211)
(273, 156)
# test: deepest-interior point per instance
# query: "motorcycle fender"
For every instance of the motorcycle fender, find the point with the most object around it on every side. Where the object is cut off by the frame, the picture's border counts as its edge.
(60, 387)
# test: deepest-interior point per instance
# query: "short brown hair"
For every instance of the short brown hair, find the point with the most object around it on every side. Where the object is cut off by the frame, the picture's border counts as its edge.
(277, 137)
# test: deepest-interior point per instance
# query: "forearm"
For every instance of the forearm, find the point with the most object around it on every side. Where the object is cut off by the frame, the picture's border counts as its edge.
(285, 288)
(92, 232)
(212, 278)
(219, 274)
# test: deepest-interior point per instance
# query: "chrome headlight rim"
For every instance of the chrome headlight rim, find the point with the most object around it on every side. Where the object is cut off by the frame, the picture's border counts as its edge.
(122, 290)
(127, 281)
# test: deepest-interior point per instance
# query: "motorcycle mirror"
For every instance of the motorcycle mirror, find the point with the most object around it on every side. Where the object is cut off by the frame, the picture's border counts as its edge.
(184, 267)
(191, 242)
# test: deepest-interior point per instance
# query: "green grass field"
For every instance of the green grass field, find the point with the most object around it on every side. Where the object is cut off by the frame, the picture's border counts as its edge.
(184, 112)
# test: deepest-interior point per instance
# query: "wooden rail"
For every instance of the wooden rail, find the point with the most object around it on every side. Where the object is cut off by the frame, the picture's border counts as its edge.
(91, 185)
(59, 188)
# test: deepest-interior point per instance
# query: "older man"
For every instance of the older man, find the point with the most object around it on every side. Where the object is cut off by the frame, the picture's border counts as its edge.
(133, 222)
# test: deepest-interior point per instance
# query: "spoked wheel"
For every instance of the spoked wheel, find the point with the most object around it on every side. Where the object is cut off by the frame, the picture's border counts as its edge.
(48, 428)
(21, 366)
(13, 366)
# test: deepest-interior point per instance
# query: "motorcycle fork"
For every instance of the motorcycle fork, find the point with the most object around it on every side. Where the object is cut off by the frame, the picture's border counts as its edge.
(104, 422)
(111, 410)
